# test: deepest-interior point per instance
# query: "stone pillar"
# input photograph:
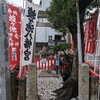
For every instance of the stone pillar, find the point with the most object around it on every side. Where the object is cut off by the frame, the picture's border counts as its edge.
(22, 89)
(93, 88)
(5, 88)
(14, 85)
(32, 82)
(83, 82)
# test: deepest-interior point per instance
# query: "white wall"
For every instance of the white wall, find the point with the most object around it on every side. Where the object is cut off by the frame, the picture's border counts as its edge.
(42, 34)
(45, 4)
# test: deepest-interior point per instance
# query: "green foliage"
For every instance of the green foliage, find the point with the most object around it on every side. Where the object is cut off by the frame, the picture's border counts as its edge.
(61, 14)
(61, 46)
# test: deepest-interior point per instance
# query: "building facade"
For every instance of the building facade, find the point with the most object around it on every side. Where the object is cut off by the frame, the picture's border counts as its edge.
(45, 35)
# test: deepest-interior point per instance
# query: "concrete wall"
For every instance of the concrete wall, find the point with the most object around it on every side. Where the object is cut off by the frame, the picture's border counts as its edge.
(42, 34)
(45, 4)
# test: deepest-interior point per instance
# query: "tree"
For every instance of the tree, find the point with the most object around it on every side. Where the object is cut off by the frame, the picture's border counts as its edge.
(61, 46)
(62, 15)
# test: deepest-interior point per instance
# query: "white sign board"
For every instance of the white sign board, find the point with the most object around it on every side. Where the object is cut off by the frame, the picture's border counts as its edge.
(31, 12)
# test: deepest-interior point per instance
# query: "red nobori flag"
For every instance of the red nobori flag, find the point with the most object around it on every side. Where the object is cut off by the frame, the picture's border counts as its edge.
(90, 33)
(14, 31)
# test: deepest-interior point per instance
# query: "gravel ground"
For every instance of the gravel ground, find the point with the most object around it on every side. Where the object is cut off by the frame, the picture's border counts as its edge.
(48, 82)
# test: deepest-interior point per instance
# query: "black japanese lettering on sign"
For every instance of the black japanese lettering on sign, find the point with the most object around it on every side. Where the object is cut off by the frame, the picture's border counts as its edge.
(5, 28)
(6, 36)
(29, 28)
(31, 15)
(3, 9)
(28, 43)
(27, 53)
(6, 50)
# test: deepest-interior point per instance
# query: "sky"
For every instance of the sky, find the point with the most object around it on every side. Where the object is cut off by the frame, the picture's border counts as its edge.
(20, 2)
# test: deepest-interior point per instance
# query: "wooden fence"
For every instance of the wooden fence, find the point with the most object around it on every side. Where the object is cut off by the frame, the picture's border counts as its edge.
(46, 64)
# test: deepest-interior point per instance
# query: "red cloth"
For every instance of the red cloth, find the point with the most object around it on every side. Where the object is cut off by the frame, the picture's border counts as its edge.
(90, 33)
(14, 31)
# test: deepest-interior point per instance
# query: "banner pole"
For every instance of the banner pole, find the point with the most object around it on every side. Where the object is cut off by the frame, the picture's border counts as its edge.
(78, 34)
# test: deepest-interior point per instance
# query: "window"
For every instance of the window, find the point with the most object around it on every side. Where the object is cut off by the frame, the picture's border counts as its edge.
(58, 37)
(50, 39)
(40, 2)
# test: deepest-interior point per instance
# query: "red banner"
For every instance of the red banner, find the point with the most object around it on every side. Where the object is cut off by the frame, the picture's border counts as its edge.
(14, 31)
(90, 33)
(91, 43)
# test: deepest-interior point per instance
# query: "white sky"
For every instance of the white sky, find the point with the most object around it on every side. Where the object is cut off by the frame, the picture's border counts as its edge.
(20, 2)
